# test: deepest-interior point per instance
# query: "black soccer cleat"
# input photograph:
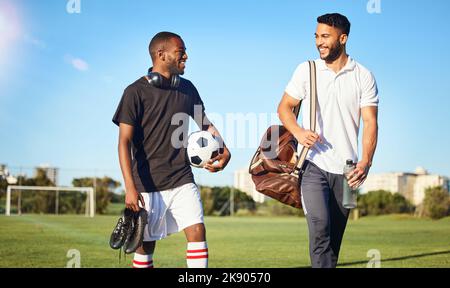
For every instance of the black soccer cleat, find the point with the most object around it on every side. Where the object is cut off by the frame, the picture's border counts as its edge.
(135, 238)
(122, 230)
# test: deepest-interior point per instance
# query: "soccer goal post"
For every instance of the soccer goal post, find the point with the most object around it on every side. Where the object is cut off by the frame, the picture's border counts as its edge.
(90, 199)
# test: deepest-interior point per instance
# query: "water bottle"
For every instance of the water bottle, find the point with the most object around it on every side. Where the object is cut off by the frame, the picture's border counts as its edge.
(349, 197)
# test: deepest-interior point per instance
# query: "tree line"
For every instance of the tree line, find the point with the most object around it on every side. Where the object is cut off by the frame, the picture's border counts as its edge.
(436, 204)
(217, 201)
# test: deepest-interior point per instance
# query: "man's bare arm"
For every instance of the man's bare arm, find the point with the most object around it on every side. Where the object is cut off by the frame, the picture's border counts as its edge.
(132, 196)
(370, 133)
(369, 144)
(305, 137)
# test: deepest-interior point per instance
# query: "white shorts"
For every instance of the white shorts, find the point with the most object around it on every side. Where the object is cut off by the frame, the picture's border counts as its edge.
(172, 211)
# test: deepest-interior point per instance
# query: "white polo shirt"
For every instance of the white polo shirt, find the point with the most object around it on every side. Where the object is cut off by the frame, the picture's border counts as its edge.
(340, 99)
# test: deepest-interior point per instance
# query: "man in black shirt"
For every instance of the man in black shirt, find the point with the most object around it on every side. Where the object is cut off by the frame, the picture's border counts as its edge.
(153, 117)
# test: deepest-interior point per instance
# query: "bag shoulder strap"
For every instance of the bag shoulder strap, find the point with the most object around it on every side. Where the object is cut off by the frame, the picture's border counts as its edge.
(296, 109)
(313, 109)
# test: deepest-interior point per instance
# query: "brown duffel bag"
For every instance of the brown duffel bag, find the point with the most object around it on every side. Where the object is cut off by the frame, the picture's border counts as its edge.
(276, 168)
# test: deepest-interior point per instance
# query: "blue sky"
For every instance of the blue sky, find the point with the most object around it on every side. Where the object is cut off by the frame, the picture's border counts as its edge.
(62, 74)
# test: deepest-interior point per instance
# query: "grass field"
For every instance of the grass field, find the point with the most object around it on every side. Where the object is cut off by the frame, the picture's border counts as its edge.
(241, 242)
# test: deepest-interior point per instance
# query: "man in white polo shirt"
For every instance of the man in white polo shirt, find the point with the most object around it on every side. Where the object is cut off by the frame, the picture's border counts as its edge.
(346, 92)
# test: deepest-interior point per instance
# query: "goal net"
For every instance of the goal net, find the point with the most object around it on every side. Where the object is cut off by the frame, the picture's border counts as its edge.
(50, 200)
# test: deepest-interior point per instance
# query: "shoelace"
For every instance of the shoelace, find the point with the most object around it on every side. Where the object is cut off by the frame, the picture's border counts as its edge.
(126, 225)
(123, 227)
(120, 255)
(117, 230)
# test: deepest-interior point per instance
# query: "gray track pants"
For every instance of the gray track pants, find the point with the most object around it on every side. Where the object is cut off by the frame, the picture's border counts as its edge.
(327, 218)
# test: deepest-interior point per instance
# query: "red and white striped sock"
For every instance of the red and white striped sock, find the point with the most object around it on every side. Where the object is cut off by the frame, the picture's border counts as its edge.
(142, 261)
(197, 255)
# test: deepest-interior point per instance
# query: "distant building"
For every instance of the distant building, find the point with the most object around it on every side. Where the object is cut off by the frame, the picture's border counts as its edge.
(6, 175)
(411, 185)
(243, 181)
(52, 173)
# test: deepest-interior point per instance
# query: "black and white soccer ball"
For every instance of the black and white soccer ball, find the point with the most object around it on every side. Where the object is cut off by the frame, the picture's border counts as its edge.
(202, 146)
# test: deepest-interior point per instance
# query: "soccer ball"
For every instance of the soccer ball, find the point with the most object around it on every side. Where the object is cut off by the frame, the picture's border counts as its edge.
(202, 146)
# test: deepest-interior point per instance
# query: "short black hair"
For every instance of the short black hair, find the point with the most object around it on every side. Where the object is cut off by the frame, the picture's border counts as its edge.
(336, 20)
(158, 39)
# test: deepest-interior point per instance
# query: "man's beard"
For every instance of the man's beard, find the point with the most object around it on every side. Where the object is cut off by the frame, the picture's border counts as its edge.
(174, 69)
(335, 52)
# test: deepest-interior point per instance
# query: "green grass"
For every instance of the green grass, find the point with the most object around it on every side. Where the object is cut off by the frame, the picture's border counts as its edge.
(114, 209)
(403, 241)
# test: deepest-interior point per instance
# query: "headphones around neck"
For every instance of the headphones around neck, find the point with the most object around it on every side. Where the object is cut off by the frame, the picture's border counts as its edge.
(159, 81)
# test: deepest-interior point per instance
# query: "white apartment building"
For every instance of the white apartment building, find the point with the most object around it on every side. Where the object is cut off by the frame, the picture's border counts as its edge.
(243, 181)
(51, 172)
(410, 185)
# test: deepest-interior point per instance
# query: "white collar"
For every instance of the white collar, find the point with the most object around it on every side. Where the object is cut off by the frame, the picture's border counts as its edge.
(351, 64)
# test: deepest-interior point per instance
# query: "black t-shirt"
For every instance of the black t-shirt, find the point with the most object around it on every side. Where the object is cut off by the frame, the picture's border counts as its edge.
(161, 122)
